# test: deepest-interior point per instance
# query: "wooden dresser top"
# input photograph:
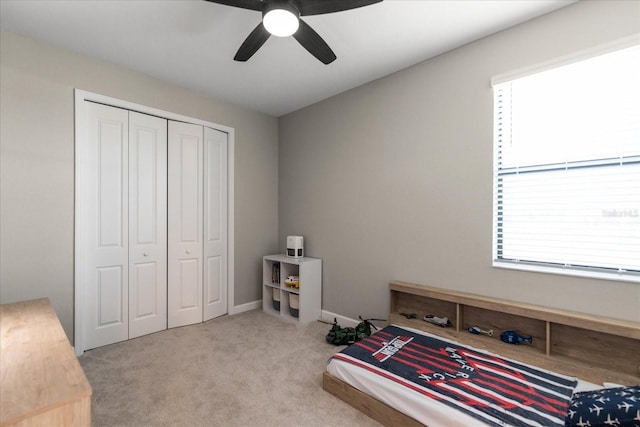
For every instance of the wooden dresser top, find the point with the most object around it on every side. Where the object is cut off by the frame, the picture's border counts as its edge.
(38, 369)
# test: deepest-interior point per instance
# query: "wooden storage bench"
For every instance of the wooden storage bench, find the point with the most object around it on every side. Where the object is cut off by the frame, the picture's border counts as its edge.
(594, 348)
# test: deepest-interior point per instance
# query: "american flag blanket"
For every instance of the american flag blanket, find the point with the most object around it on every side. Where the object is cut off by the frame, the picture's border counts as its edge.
(497, 391)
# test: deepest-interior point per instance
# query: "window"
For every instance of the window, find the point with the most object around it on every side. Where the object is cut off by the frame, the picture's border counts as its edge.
(567, 169)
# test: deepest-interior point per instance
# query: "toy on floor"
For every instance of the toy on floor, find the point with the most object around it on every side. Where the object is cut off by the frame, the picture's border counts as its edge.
(338, 335)
(477, 331)
(511, 337)
(364, 328)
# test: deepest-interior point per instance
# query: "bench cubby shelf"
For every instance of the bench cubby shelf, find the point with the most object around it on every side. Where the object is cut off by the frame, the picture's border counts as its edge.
(308, 295)
(594, 348)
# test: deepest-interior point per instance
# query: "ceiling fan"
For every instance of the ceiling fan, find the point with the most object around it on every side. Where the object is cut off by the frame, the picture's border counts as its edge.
(282, 18)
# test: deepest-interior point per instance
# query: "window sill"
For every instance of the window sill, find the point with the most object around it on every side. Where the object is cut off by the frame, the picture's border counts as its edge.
(568, 271)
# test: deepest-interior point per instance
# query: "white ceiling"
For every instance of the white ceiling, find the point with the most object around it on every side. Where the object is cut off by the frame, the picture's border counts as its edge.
(191, 43)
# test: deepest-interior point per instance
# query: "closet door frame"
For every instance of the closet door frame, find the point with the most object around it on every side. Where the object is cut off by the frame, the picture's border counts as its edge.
(80, 255)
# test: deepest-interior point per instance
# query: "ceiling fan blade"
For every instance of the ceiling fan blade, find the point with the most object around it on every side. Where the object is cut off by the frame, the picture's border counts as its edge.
(244, 4)
(311, 41)
(252, 43)
(318, 7)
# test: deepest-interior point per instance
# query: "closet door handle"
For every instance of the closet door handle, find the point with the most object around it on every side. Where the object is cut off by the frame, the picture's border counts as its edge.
(145, 253)
(188, 251)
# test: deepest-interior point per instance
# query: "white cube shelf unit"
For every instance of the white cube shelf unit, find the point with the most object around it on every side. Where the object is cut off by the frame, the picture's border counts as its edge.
(307, 297)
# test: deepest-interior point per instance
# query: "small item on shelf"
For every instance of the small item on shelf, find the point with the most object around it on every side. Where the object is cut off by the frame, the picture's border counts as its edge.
(293, 281)
(511, 337)
(275, 272)
(276, 299)
(440, 321)
(409, 315)
(295, 246)
(477, 331)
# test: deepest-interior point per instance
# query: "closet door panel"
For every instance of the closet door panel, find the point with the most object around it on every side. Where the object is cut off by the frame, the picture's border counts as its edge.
(189, 284)
(215, 224)
(185, 227)
(106, 193)
(214, 280)
(143, 299)
(110, 289)
(147, 224)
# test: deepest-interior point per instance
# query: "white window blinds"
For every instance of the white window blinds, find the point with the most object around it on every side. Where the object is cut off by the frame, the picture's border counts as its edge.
(567, 168)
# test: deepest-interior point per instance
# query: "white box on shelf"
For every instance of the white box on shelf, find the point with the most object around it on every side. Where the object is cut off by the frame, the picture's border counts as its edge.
(295, 246)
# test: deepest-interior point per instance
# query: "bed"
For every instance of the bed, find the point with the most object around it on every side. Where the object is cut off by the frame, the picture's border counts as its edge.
(573, 347)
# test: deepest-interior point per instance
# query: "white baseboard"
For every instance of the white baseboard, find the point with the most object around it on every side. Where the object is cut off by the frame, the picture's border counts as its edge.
(246, 307)
(343, 321)
(325, 315)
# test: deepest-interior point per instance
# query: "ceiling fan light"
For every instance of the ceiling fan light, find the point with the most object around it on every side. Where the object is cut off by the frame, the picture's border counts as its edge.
(280, 22)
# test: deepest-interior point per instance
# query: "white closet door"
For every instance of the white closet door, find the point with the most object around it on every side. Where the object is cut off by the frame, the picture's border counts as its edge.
(185, 233)
(147, 224)
(215, 223)
(106, 314)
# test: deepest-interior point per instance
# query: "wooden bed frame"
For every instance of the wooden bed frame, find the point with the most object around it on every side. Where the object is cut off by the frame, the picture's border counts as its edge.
(594, 348)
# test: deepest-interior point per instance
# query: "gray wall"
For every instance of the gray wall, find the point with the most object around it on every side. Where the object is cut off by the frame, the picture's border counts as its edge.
(37, 168)
(393, 180)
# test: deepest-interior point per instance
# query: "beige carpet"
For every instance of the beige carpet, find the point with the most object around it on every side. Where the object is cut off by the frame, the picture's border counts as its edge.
(251, 369)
